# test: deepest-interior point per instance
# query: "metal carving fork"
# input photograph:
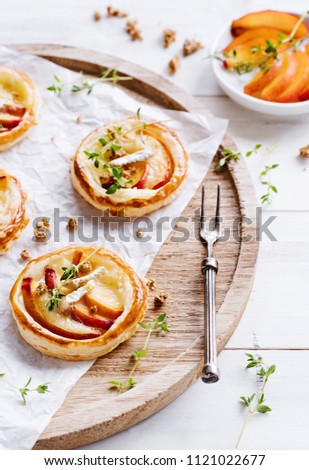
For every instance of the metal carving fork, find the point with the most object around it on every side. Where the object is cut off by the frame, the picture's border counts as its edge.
(211, 373)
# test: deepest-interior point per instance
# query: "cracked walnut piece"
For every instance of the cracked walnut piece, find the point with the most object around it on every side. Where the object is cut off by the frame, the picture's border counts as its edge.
(116, 13)
(39, 234)
(41, 228)
(190, 46)
(150, 283)
(133, 30)
(41, 288)
(160, 299)
(169, 36)
(304, 151)
(97, 16)
(44, 223)
(72, 224)
(174, 64)
(25, 255)
(85, 268)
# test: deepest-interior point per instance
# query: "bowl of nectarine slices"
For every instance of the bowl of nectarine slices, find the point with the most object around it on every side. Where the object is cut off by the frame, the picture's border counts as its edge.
(262, 62)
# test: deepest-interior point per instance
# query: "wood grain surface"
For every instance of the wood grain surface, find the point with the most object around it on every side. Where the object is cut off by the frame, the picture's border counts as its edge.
(92, 411)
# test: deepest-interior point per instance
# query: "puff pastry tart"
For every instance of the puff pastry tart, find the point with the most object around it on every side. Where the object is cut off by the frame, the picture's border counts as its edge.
(13, 217)
(18, 106)
(78, 302)
(131, 166)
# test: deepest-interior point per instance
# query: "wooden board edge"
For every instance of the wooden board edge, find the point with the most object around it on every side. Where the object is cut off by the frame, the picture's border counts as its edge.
(175, 97)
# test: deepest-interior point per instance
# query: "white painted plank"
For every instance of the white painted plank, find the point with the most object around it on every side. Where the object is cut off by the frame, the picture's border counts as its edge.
(71, 22)
(211, 416)
(284, 136)
(277, 313)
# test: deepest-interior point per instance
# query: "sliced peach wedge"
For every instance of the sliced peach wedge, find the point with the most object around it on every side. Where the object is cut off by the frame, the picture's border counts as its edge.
(262, 79)
(294, 88)
(304, 95)
(106, 300)
(282, 80)
(84, 315)
(285, 22)
(59, 324)
(256, 34)
(250, 46)
(158, 172)
(9, 121)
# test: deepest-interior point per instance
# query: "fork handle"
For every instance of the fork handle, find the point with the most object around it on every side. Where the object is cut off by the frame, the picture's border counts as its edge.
(211, 373)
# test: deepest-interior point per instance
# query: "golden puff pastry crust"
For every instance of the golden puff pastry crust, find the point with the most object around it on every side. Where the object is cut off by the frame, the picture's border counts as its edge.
(147, 185)
(100, 301)
(19, 100)
(13, 217)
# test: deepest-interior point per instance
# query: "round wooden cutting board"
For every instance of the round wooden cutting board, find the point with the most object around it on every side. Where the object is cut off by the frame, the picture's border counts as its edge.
(93, 411)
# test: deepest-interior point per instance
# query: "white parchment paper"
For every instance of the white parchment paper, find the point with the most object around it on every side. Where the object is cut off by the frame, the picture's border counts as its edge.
(41, 162)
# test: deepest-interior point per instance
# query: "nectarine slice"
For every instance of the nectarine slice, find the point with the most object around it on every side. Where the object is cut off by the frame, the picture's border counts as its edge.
(9, 121)
(304, 95)
(261, 79)
(50, 278)
(294, 88)
(286, 73)
(257, 34)
(285, 22)
(245, 55)
(82, 313)
(56, 323)
(158, 171)
(107, 301)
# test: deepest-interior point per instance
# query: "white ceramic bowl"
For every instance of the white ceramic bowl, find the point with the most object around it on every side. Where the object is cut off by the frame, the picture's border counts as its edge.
(232, 84)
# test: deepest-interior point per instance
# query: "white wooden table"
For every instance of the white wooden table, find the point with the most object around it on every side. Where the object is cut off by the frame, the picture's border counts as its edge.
(276, 319)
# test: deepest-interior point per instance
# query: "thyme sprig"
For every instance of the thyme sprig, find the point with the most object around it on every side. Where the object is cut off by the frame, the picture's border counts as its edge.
(270, 188)
(25, 390)
(267, 54)
(54, 299)
(119, 182)
(109, 75)
(227, 154)
(256, 402)
(158, 324)
(57, 87)
(67, 274)
(110, 142)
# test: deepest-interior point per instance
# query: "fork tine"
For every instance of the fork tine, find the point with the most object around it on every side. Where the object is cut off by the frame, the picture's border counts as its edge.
(218, 218)
(203, 210)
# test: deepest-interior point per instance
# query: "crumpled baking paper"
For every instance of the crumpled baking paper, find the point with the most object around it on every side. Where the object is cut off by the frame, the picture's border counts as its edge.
(41, 162)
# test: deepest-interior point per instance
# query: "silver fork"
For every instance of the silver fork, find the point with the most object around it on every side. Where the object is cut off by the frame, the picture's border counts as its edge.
(211, 373)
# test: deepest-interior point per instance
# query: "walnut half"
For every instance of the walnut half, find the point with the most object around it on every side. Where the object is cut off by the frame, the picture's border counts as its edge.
(133, 30)
(160, 299)
(116, 13)
(97, 16)
(304, 151)
(169, 36)
(174, 64)
(25, 255)
(190, 46)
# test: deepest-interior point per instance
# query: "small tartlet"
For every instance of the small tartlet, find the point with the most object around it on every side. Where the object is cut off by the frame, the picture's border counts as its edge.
(13, 218)
(148, 185)
(19, 102)
(89, 320)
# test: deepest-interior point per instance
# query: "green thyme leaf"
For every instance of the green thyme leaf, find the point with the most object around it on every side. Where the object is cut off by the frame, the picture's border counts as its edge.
(138, 355)
(263, 409)
(255, 403)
